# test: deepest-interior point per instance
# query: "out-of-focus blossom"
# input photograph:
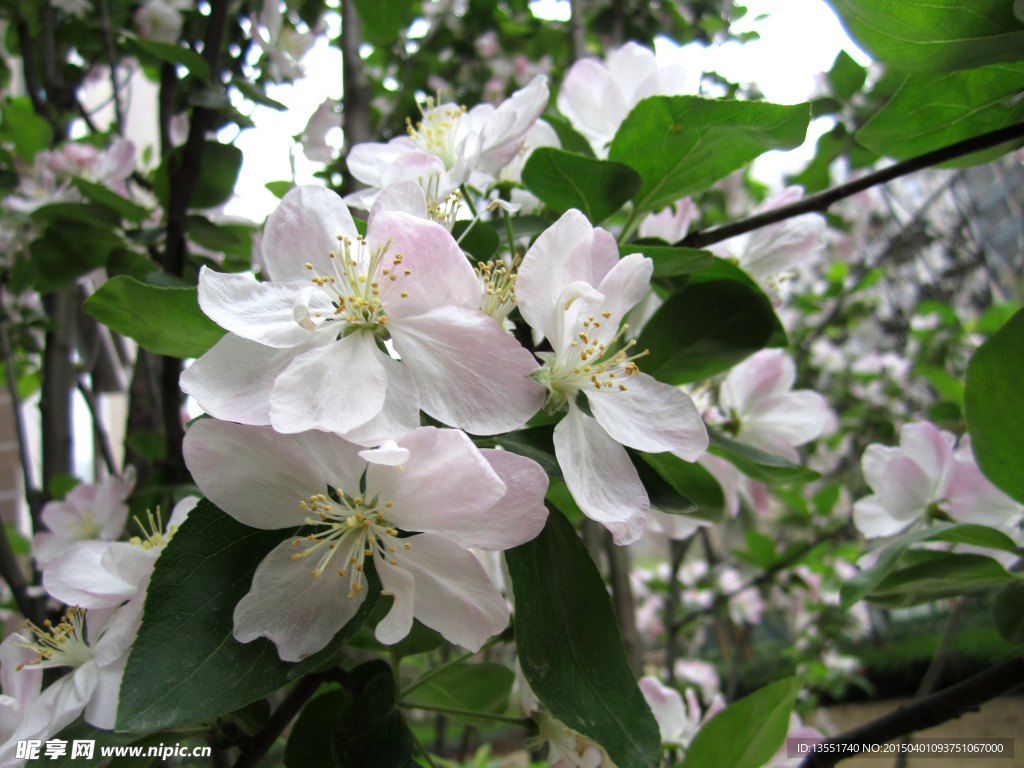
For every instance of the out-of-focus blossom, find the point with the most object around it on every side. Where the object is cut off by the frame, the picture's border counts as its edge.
(161, 20)
(700, 673)
(746, 605)
(597, 96)
(75, 8)
(566, 747)
(678, 722)
(284, 46)
(670, 224)
(21, 684)
(314, 135)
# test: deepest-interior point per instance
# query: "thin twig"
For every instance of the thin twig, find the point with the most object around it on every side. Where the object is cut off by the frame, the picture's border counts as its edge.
(678, 550)
(32, 494)
(821, 201)
(430, 674)
(521, 721)
(261, 742)
(108, 46)
(922, 714)
(97, 427)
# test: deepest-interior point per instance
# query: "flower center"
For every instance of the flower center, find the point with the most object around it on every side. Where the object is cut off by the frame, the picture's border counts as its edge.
(498, 288)
(436, 132)
(591, 363)
(86, 526)
(152, 532)
(62, 645)
(350, 528)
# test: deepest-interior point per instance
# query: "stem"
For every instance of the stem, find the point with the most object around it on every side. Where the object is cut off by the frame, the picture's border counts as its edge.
(59, 377)
(422, 749)
(520, 721)
(108, 46)
(264, 739)
(97, 427)
(469, 201)
(511, 238)
(821, 201)
(430, 674)
(356, 93)
(629, 227)
(926, 713)
(577, 30)
(678, 550)
(32, 494)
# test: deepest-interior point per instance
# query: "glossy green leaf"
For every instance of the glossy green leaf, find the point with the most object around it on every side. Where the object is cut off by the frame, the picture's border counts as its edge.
(570, 138)
(757, 464)
(103, 196)
(279, 188)
(977, 536)
(481, 242)
(26, 130)
(82, 731)
(748, 732)
(309, 744)
(166, 321)
(694, 482)
(929, 112)
(172, 53)
(670, 261)
(255, 93)
(570, 649)
(230, 239)
(218, 174)
(992, 405)
(846, 77)
(564, 180)
(535, 443)
(942, 575)
(681, 145)
(934, 35)
(185, 664)
(483, 688)
(1008, 613)
(383, 21)
(859, 586)
(69, 249)
(372, 730)
(662, 494)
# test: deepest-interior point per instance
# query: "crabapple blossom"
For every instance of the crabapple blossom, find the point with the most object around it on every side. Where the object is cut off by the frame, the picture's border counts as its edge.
(566, 747)
(303, 349)
(596, 97)
(574, 289)
(677, 722)
(314, 135)
(669, 224)
(284, 46)
(21, 685)
(924, 479)
(431, 481)
(701, 674)
(161, 20)
(89, 511)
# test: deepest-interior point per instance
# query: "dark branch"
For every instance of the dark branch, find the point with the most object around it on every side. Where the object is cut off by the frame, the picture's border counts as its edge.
(97, 427)
(926, 713)
(108, 47)
(261, 742)
(821, 201)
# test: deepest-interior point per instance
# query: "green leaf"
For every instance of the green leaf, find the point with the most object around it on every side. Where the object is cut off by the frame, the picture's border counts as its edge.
(977, 536)
(69, 249)
(942, 575)
(747, 733)
(681, 145)
(82, 731)
(934, 35)
(166, 321)
(569, 646)
(309, 744)
(483, 688)
(662, 494)
(757, 464)
(372, 731)
(24, 128)
(949, 387)
(229, 239)
(279, 188)
(217, 175)
(537, 443)
(846, 77)
(571, 140)
(929, 112)
(61, 483)
(670, 261)
(760, 551)
(564, 180)
(992, 399)
(692, 481)
(103, 196)
(172, 53)
(481, 242)
(859, 586)
(1008, 613)
(131, 263)
(383, 21)
(255, 93)
(185, 664)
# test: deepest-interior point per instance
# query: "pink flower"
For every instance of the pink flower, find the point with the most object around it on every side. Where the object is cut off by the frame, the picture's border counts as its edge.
(670, 224)
(678, 723)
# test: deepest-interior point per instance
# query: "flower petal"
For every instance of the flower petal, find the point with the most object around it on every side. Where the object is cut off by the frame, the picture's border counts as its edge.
(368, 161)
(405, 196)
(519, 516)
(906, 490)
(600, 476)
(873, 462)
(793, 417)
(593, 103)
(338, 459)
(931, 449)
(389, 454)
(759, 377)
(401, 411)
(651, 416)
(400, 586)
(873, 519)
(298, 612)
(253, 473)
(674, 526)
(453, 593)
(334, 389)
(470, 373)
(304, 228)
(666, 704)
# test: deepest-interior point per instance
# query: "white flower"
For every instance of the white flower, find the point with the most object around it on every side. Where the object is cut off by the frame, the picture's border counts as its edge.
(89, 511)
(161, 20)
(284, 46)
(574, 289)
(566, 747)
(597, 97)
(448, 144)
(314, 135)
(76, 8)
(303, 349)
(670, 224)
(541, 134)
(431, 481)
(21, 685)
(700, 673)
(678, 723)
(924, 479)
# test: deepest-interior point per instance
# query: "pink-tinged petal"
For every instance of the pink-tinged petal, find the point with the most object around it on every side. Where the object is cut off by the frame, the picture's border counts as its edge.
(794, 417)
(368, 161)
(629, 66)
(400, 587)
(600, 476)
(873, 462)
(873, 519)
(338, 459)
(470, 373)
(906, 489)
(425, 170)
(110, 507)
(668, 224)
(931, 449)
(80, 578)
(120, 633)
(759, 377)
(298, 612)
(439, 273)
(501, 137)
(55, 709)
(728, 477)
(779, 247)
(972, 498)
(453, 593)
(769, 442)
(519, 516)
(561, 255)
(253, 473)
(46, 546)
(650, 416)
(674, 526)
(101, 711)
(334, 389)
(404, 196)
(593, 103)
(667, 81)
(21, 684)
(625, 285)
(604, 254)
(666, 704)
(401, 411)
(274, 314)
(235, 378)
(304, 228)
(389, 454)
(444, 481)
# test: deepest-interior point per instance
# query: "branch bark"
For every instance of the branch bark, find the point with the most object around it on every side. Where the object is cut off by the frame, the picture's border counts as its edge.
(59, 378)
(99, 432)
(108, 47)
(577, 30)
(925, 713)
(820, 202)
(355, 100)
(264, 739)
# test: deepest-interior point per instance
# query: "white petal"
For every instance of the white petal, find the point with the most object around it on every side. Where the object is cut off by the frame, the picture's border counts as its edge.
(906, 490)
(334, 389)
(674, 526)
(626, 284)
(931, 450)
(453, 593)
(629, 66)
(389, 454)
(470, 373)
(759, 377)
(101, 711)
(651, 416)
(972, 498)
(298, 612)
(180, 512)
(368, 161)
(593, 103)
(796, 417)
(57, 707)
(304, 228)
(669, 225)
(253, 473)
(261, 312)
(405, 196)
(873, 519)
(519, 516)
(600, 476)
(23, 684)
(401, 411)
(666, 704)
(338, 459)
(873, 462)
(80, 577)
(667, 81)
(402, 588)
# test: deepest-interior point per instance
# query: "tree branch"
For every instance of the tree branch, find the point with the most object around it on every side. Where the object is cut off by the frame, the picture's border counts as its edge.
(926, 713)
(97, 427)
(355, 99)
(108, 47)
(261, 742)
(821, 201)
(677, 550)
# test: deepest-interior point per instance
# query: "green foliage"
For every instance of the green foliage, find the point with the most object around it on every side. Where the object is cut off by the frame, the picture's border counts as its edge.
(166, 321)
(681, 145)
(569, 646)
(309, 744)
(747, 733)
(481, 242)
(172, 53)
(670, 261)
(757, 464)
(102, 196)
(564, 180)
(570, 139)
(185, 664)
(1008, 613)
(383, 21)
(233, 240)
(217, 174)
(26, 130)
(932, 111)
(992, 398)
(662, 494)
(934, 35)
(846, 77)
(372, 730)
(483, 688)
(692, 481)
(941, 575)
(535, 443)
(864, 582)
